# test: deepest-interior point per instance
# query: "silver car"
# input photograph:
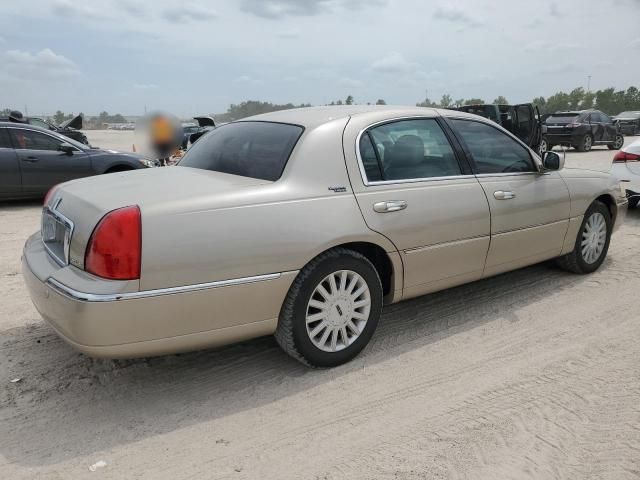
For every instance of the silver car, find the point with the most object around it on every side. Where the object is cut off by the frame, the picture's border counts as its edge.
(303, 224)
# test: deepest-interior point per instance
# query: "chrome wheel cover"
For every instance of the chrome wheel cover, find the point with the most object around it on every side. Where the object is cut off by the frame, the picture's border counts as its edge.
(588, 142)
(594, 236)
(338, 311)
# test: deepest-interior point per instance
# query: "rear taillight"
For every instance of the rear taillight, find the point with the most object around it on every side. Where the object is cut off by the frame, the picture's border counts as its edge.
(49, 194)
(622, 157)
(114, 249)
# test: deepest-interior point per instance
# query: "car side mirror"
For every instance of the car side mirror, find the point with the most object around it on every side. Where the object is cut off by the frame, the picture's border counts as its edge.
(66, 148)
(552, 161)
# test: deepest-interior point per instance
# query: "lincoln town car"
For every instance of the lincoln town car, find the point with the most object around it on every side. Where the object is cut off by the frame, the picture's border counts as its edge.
(303, 224)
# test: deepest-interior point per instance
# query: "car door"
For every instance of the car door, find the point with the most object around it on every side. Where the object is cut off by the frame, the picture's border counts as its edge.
(10, 181)
(529, 210)
(599, 129)
(42, 164)
(527, 125)
(608, 128)
(414, 188)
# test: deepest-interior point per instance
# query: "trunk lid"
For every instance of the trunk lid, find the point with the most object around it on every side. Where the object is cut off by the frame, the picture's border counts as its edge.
(75, 122)
(157, 191)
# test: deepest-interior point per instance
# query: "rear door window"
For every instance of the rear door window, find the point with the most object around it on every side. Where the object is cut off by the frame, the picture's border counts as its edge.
(248, 149)
(409, 150)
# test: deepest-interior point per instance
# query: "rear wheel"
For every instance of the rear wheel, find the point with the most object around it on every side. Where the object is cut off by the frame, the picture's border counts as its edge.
(592, 242)
(331, 310)
(585, 144)
(617, 143)
(633, 202)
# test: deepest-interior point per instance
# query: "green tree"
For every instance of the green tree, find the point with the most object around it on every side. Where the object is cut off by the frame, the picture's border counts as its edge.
(588, 100)
(474, 101)
(59, 117)
(349, 100)
(558, 102)
(458, 103)
(446, 101)
(575, 98)
(501, 101)
(380, 101)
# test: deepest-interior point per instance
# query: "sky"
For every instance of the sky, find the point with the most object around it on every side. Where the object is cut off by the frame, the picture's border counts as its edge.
(198, 56)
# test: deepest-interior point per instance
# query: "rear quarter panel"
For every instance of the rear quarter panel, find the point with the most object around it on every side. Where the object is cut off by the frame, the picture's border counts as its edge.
(286, 224)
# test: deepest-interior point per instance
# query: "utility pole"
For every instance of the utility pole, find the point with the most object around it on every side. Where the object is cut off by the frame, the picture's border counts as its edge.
(588, 83)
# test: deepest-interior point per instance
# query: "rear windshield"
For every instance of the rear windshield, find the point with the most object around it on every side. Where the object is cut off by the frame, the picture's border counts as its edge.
(249, 149)
(562, 117)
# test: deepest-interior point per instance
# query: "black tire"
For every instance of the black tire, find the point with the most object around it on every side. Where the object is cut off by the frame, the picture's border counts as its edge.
(585, 144)
(618, 143)
(291, 333)
(544, 146)
(633, 202)
(574, 261)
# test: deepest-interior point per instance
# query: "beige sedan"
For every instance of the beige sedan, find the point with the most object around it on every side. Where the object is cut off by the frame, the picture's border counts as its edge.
(303, 224)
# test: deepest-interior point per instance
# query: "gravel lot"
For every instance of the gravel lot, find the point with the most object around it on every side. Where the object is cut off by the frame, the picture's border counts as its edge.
(531, 374)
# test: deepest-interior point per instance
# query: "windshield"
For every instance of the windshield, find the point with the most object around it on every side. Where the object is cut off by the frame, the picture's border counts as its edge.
(249, 149)
(562, 117)
(628, 115)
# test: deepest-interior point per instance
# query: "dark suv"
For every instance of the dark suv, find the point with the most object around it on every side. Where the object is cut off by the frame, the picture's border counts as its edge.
(582, 130)
(522, 120)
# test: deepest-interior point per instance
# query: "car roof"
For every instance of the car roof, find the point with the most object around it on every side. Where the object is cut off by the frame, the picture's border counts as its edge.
(575, 112)
(25, 126)
(310, 117)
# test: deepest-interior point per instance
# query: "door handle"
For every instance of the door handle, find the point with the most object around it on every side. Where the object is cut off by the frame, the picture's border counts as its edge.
(502, 195)
(389, 206)
(30, 159)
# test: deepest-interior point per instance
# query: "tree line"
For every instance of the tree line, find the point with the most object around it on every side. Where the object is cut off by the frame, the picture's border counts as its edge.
(608, 100)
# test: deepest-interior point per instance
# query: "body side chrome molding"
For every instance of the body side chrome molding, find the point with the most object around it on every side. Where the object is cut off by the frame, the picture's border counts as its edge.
(112, 297)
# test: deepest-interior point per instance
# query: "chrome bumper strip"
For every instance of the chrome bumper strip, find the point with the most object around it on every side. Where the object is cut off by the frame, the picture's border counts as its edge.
(111, 297)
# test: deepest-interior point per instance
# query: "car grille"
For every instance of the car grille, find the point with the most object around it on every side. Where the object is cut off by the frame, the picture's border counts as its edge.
(56, 232)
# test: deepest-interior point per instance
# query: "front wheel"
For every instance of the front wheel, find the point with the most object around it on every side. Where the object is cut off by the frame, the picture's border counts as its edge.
(617, 143)
(592, 242)
(331, 310)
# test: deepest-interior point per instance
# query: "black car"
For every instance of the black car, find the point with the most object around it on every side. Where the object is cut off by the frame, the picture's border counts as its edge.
(629, 122)
(69, 128)
(33, 159)
(522, 120)
(582, 130)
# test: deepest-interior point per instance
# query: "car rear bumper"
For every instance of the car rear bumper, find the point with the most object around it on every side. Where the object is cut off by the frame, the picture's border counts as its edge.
(563, 139)
(137, 324)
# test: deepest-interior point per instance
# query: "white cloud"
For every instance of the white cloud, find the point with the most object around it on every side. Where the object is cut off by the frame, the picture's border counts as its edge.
(146, 86)
(281, 8)
(350, 83)
(288, 34)
(248, 80)
(187, 13)
(456, 16)
(44, 64)
(70, 8)
(543, 46)
(393, 63)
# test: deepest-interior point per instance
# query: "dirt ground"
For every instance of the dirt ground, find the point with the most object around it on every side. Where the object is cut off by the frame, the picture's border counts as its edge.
(531, 374)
